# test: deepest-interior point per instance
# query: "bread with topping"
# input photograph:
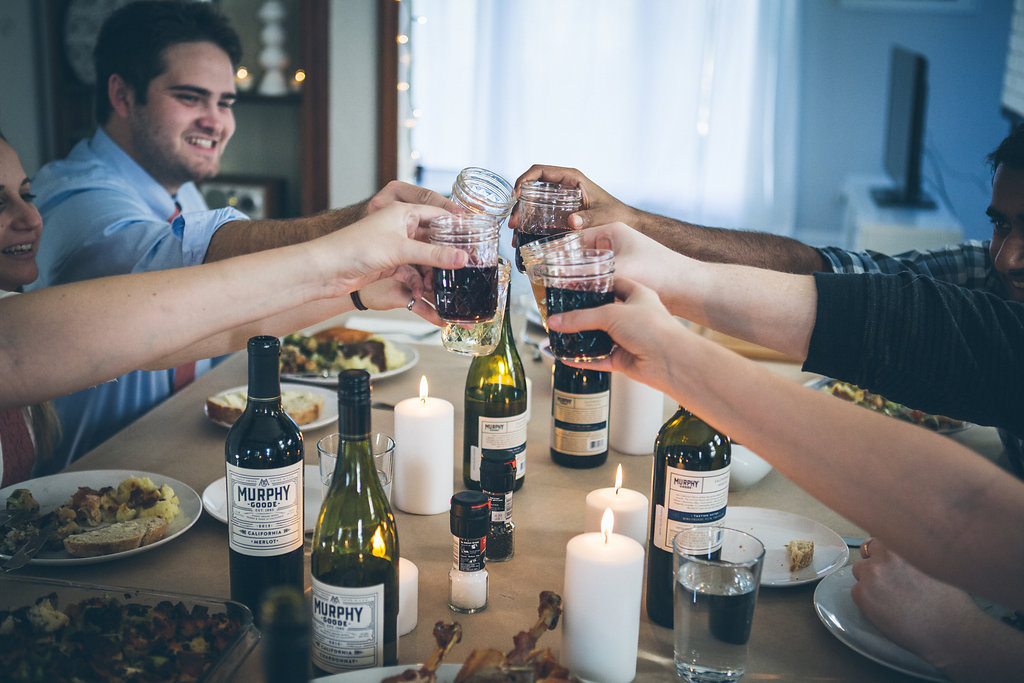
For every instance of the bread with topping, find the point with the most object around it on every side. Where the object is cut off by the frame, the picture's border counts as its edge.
(800, 554)
(117, 537)
(302, 406)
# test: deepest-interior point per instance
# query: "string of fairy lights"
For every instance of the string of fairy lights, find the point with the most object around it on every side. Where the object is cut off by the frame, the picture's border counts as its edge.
(408, 155)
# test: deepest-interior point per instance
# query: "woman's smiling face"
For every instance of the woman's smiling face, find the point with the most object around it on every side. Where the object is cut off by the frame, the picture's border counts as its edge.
(20, 223)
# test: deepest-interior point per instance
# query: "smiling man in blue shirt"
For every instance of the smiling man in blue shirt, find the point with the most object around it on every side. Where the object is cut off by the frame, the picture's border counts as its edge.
(125, 200)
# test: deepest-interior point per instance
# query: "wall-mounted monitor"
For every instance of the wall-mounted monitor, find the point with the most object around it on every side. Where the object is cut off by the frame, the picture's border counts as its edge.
(905, 128)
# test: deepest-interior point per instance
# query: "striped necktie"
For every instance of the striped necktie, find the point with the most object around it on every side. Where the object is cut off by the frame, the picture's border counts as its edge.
(183, 374)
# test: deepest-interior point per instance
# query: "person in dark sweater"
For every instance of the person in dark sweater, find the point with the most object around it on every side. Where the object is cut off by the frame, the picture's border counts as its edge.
(925, 497)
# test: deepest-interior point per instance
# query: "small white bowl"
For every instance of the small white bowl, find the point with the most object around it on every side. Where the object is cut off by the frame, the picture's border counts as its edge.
(747, 468)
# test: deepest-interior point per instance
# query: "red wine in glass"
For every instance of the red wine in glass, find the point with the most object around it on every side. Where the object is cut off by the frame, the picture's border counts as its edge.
(585, 345)
(466, 295)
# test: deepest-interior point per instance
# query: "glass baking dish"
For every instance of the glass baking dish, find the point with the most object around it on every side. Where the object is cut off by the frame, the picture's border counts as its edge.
(17, 592)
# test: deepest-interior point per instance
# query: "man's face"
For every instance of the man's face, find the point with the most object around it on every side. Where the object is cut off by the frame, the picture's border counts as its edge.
(1006, 212)
(181, 131)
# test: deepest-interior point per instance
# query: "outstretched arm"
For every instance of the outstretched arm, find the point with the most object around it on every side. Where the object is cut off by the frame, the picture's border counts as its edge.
(245, 237)
(61, 339)
(716, 245)
(934, 496)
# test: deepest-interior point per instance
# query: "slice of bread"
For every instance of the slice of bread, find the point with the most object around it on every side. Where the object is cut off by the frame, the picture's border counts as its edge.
(302, 406)
(800, 554)
(117, 537)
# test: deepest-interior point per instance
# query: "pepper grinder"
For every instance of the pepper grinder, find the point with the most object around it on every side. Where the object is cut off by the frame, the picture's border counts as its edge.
(467, 579)
(497, 480)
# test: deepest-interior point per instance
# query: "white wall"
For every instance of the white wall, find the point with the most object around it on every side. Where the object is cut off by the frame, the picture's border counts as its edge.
(20, 83)
(844, 93)
(353, 101)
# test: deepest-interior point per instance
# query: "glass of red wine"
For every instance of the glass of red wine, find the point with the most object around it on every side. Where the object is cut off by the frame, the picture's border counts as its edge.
(573, 280)
(469, 294)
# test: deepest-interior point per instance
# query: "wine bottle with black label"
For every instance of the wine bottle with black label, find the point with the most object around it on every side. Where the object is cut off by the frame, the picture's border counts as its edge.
(354, 562)
(263, 455)
(580, 402)
(690, 487)
(495, 415)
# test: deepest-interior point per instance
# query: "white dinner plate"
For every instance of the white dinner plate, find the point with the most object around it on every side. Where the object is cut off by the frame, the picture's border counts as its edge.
(445, 674)
(328, 414)
(215, 498)
(412, 356)
(775, 528)
(842, 617)
(56, 489)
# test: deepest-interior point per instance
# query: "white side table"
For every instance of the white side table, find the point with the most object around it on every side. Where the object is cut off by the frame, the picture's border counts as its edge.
(892, 230)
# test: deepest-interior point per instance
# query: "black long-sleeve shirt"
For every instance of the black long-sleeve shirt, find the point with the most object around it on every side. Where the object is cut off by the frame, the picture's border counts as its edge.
(925, 343)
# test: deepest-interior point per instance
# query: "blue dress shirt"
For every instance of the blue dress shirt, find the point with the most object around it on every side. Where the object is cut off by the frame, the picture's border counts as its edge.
(104, 215)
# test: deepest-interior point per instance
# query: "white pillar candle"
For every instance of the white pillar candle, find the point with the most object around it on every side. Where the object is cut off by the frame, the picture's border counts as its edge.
(631, 509)
(424, 454)
(636, 415)
(601, 608)
(408, 595)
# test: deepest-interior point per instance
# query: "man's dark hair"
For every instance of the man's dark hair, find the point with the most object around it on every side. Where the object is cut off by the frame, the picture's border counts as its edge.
(133, 39)
(1010, 151)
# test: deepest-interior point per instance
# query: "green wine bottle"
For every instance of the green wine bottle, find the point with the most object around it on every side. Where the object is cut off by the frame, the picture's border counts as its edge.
(495, 408)
(354, 562)
(263, 459)
(690, 487)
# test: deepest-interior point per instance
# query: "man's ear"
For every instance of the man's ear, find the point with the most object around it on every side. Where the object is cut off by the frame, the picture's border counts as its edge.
(121, 95)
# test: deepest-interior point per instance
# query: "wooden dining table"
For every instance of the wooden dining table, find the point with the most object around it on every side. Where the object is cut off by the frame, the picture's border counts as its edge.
(787, 643)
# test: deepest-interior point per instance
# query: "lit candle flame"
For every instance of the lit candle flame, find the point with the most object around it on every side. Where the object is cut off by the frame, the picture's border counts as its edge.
(378, 544)
(423, 389)
(607, 523)
(618, 479)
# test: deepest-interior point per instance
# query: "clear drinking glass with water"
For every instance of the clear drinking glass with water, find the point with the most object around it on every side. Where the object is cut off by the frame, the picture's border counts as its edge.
(383, 459)
(717, 574)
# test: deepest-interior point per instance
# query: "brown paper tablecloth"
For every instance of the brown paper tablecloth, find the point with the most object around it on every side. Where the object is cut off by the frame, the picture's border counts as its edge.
(176, 439)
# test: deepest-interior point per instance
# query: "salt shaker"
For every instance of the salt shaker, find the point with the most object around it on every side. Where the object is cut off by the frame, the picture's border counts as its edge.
(467, 579)
(497, 480)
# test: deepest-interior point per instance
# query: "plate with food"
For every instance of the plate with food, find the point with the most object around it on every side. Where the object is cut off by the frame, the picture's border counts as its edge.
(319, 357)
(797, 550)
(310, 406)
(862, 397)
(102, 515)
(841, 616)
(215, 498)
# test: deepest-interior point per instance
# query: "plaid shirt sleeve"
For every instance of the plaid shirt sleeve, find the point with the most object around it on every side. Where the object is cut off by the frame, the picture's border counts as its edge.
(966, 264)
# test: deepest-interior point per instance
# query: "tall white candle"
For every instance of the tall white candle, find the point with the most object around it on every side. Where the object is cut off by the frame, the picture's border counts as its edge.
(424, 454)
(601, 608)
(636, 414)
(408, 595)
(630, 508)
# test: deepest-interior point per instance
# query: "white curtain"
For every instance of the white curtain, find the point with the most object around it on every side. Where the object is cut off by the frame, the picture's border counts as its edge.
(683, 107)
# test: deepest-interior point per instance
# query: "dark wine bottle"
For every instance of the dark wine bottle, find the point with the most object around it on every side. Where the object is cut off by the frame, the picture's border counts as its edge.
(263, 455)
(286, 641)
(354, 563)
(690, 487)
(580, 403)
(495, 408)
